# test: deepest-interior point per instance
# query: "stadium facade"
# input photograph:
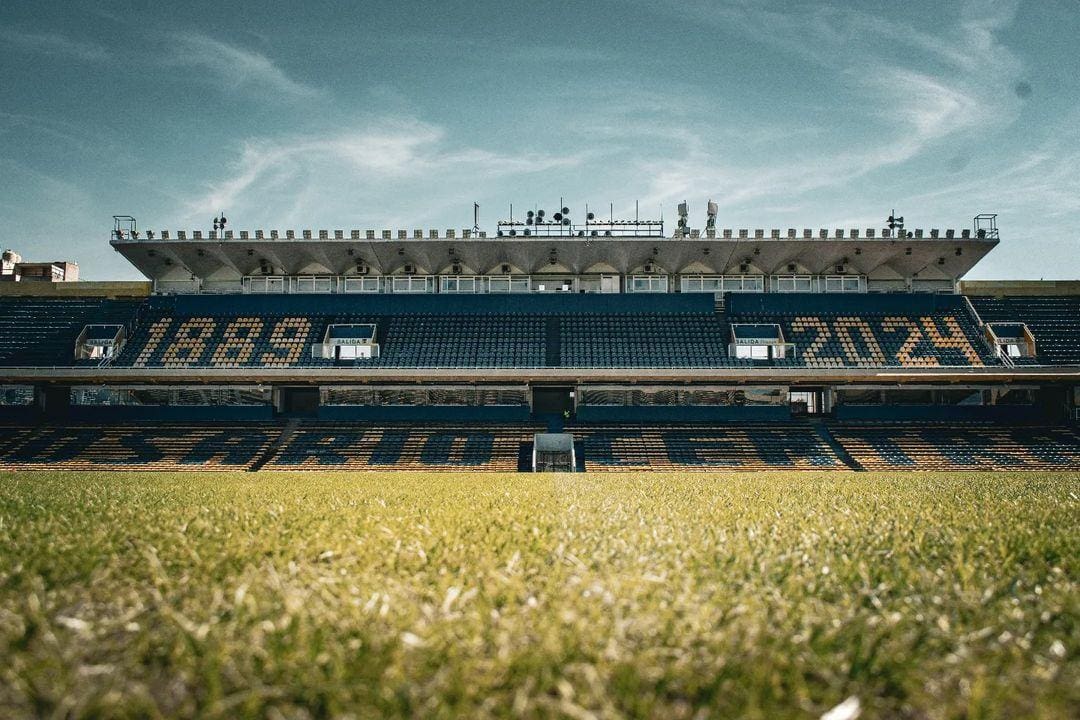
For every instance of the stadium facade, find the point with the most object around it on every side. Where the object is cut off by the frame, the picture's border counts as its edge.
(549, 345)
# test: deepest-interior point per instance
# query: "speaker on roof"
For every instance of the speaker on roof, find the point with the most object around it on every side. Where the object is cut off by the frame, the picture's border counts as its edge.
(566, 211)
(529, 214)
(590, 216)
(557, 217)
(528, 232)
(566, 221)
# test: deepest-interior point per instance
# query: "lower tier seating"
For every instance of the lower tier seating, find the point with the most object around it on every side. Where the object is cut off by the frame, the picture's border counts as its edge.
(883, 446)
(745, 446)
(135, 447)
(403, 447)
(505, 446)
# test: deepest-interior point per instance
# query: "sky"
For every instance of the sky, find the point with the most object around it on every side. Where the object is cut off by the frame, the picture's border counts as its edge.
(336, 115)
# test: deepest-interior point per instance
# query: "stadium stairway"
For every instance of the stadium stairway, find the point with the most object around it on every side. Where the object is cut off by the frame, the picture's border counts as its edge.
(275, 445)
(552, 341)
(841, 452)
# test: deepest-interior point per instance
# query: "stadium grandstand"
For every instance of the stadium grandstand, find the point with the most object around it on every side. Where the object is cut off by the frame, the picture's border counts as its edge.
(546, 345)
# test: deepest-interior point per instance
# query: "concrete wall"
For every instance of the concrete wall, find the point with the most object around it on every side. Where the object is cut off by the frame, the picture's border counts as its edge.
(76, 289)
(1020, 287)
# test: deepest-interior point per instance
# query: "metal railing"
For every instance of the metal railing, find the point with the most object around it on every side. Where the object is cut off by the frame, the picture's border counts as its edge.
(739, 364)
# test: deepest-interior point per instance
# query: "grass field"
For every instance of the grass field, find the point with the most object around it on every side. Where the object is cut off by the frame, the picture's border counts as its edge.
(312, 595)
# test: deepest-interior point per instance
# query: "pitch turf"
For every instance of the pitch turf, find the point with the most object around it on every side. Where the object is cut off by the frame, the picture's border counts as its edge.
(771, 595)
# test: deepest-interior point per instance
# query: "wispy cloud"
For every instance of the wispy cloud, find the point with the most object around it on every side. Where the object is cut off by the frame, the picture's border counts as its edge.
(52, 44)
(235, 67)
(523, 48)
(915, 89)
(366, 170)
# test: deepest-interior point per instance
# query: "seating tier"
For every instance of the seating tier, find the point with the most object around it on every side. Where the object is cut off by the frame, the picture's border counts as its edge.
(647, 340)
(743, 446)
(501, 446)
(885, 446)
(1053, 320)
(897, 330)
(43, 331)
(585, 331)
(135, 447)
(478, 447)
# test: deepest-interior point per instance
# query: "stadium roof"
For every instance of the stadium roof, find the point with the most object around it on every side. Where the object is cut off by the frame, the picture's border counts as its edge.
(166, 258)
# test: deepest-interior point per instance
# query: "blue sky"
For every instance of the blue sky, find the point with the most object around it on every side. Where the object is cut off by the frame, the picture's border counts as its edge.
(400, 114)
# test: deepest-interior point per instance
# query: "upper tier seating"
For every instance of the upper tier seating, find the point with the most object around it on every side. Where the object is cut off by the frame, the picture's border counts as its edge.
(43, 331)
(647, 340)
(286, 340)
(958, 446)
(1053, 320)
(743, 446)
(869, 330)
(676, 330)
(430, 331)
